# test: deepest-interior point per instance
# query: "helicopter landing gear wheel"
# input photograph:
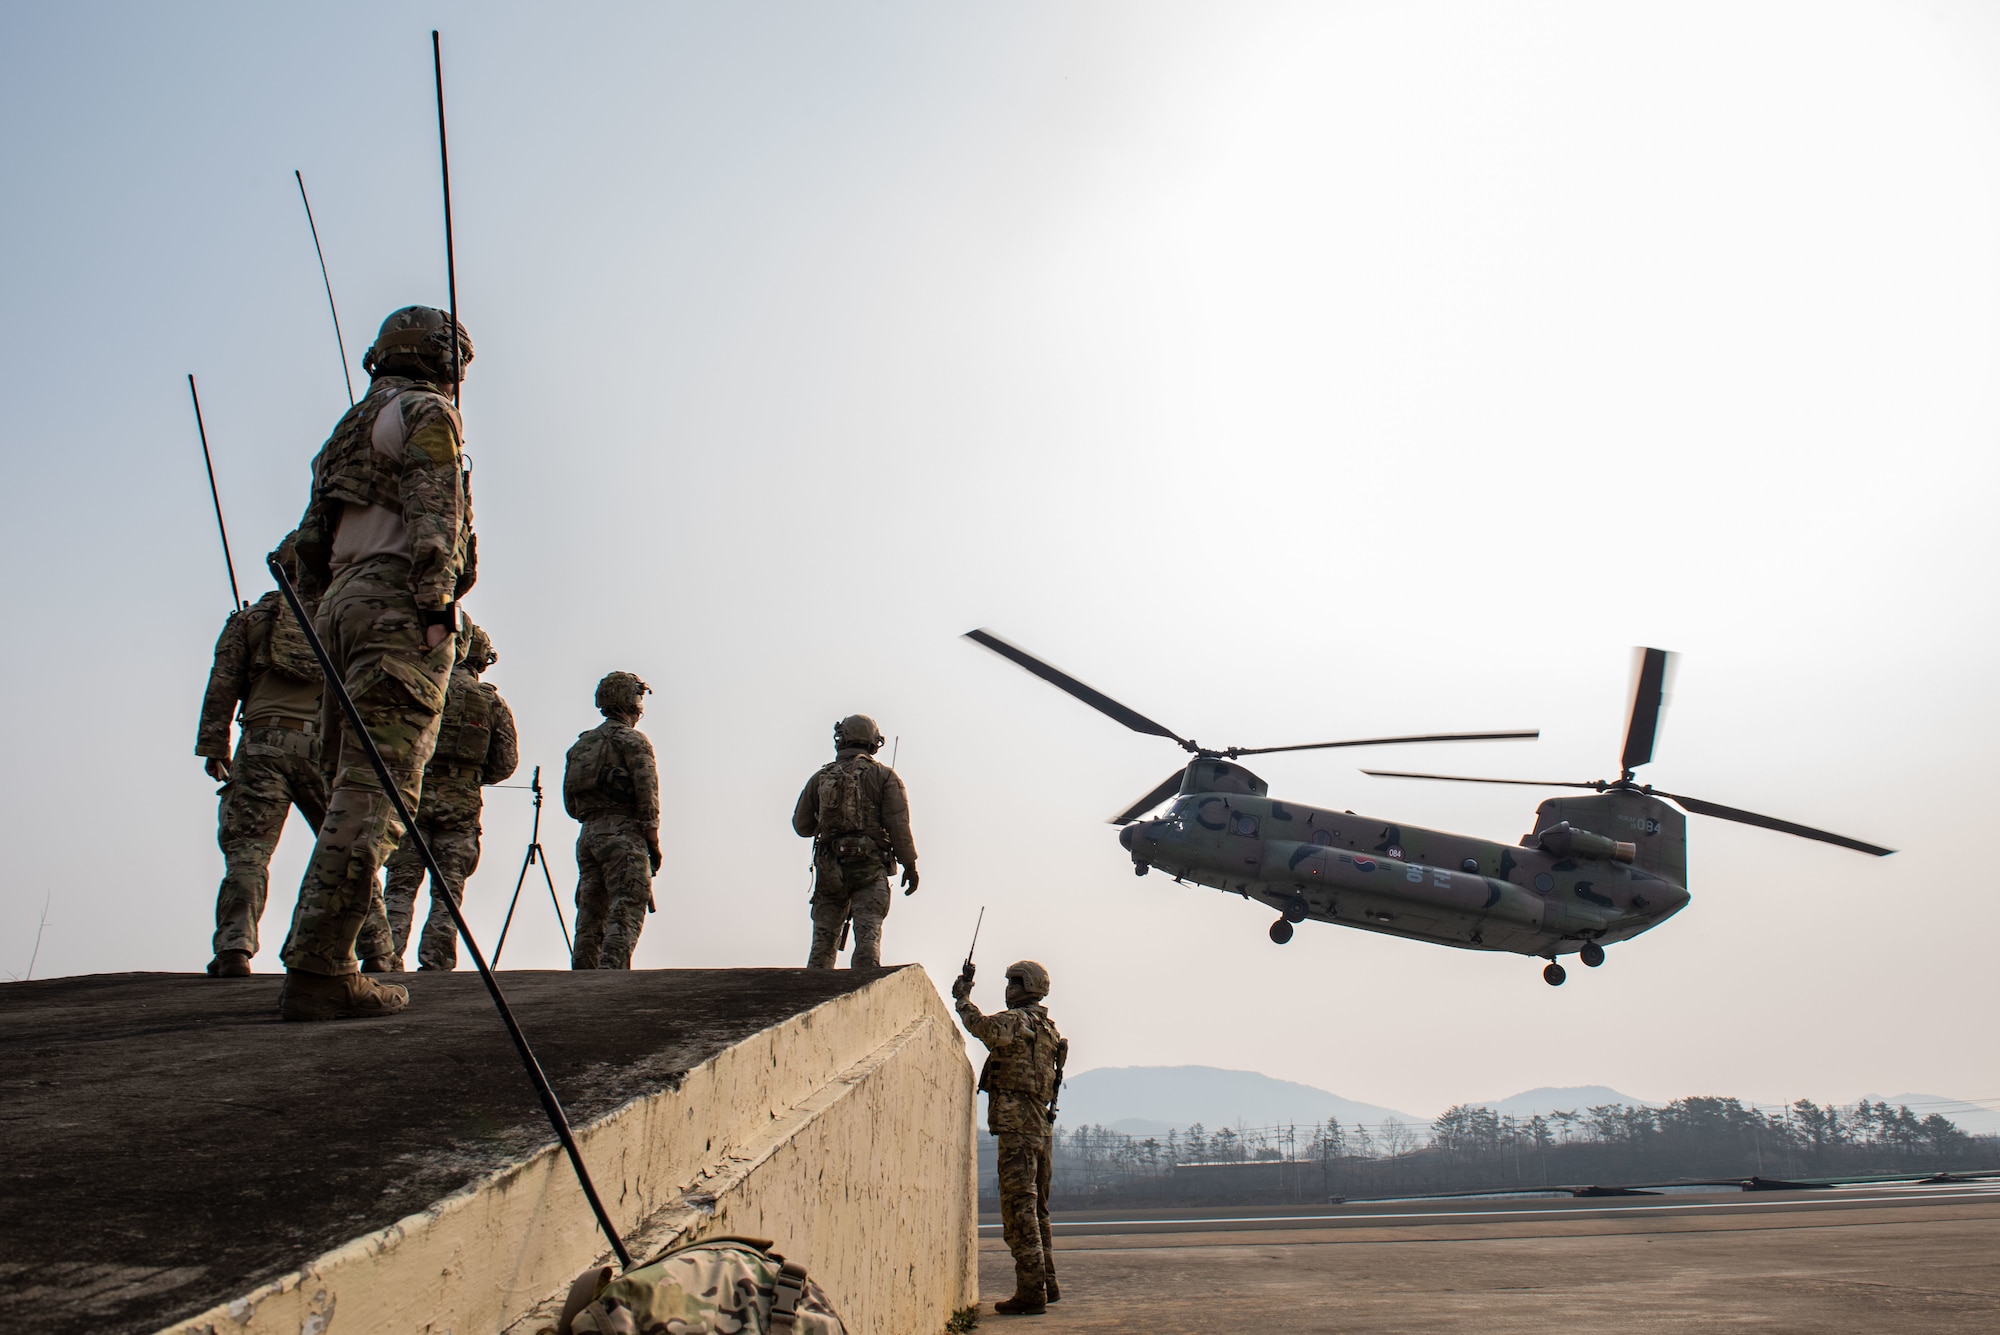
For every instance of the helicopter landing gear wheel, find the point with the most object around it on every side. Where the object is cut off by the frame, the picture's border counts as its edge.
(1281, 931)
(1592, 954)
(1296, 913)
(1554, 974)
(1140, 869)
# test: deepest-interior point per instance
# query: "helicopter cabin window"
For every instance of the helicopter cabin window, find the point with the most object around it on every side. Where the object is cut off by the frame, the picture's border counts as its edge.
(1243, 823)
(1322, 836)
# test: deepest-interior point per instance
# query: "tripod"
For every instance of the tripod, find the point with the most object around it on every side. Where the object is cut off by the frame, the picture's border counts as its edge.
(536, 853)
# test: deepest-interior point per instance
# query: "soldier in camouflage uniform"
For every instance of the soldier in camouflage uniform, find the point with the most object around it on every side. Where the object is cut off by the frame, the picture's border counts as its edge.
(857, 814)
(386, 547)
(263, 664)
(476, 746)
(610, 784)
(1023, 1071)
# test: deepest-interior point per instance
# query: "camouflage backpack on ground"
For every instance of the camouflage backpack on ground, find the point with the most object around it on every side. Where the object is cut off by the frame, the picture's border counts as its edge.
(718, 1286)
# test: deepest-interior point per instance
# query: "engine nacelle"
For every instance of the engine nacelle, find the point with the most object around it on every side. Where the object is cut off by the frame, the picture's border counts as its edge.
(1566, 841)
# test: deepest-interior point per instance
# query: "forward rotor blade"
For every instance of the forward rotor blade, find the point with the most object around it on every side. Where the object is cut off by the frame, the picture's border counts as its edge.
(1741, 817)
(1167, 789)
(1062, 681)
(1460, 778)
(1390, 741)
(1649, 687)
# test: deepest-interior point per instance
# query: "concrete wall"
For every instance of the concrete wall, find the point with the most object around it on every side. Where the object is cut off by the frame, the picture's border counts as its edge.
(845, 1134)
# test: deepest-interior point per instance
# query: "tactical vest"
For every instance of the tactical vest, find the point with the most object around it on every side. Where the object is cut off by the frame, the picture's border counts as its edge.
(596, 781)
(349, 468)
(465, 733)
(1026, 1068)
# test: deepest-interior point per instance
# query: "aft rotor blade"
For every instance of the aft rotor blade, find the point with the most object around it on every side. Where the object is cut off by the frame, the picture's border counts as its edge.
(1649, 694)
(1391, 741)
(1741, 817)
(1168, 787)
(1598, 785)
(1062, 681)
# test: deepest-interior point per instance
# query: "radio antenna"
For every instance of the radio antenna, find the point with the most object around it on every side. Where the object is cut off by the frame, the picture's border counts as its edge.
(338, 341)
(235, 597)
(444, 166)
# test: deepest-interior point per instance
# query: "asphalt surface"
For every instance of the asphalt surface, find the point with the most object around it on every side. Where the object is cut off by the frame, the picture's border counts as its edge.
(170, 1144)
(1865, 1259)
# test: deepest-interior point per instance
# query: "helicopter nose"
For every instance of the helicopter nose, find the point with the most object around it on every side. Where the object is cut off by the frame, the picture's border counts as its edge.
(1125, 837)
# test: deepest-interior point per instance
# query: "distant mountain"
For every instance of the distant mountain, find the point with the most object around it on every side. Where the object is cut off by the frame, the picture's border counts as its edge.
(1148, 1100)
(1566, 1098)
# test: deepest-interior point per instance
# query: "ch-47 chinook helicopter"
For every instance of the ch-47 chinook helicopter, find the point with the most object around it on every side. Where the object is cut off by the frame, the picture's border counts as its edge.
(1596, 869)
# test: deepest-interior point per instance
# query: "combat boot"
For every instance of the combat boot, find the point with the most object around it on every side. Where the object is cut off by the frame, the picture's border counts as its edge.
(318, 996)
(230, 964)
(1050, 1293)
(1028, 1300)
(382, 964)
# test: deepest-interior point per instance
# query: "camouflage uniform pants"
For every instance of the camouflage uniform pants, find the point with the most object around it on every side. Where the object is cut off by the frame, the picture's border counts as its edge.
(614, 884)
(449, 822)
(857, 890)
(1024, 1205)
(275, 769)
(372, 630)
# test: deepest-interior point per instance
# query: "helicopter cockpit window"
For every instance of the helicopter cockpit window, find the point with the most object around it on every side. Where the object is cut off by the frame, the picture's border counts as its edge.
(1243, 823)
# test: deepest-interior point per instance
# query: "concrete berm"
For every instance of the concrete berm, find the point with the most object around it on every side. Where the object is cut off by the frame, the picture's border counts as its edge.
(181, 1161)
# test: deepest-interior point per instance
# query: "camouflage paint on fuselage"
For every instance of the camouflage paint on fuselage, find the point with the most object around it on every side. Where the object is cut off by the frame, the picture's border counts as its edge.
(1225, 831)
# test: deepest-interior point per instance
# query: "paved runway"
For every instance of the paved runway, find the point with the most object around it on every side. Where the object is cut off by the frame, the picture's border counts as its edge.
(1863, 1259)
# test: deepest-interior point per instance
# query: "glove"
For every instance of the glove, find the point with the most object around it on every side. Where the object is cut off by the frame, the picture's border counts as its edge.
(653, 854)
(216, 769)
(962, 987)
(909, 880)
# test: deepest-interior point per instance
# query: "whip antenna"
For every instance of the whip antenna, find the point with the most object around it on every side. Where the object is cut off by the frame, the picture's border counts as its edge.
(235, 597)
(338, 341)
(444, 167)
(551, 1106)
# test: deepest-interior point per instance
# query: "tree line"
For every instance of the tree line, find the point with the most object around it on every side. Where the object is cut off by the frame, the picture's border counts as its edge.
(1472, 1147)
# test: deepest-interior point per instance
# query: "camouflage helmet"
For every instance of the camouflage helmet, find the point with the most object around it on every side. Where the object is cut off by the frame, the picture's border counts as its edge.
(479, 652)
(1030, 977)
(414, 338)
(620, 693)
(857, 730)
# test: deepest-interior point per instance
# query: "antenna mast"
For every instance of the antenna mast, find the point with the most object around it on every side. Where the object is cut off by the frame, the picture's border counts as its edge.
(444, 166)
(235, 597)
(338, 341)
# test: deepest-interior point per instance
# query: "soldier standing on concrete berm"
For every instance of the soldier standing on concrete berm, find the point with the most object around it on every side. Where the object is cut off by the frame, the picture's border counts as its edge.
(612, 786)
(476, 746)
(386, 546)
(1023, 1071)
(263, 664)
(858, 816)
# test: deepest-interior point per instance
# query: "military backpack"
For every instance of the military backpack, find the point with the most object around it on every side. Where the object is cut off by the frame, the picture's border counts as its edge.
(465, 734)
(718, 1286)
(596, 779)
(850, 826)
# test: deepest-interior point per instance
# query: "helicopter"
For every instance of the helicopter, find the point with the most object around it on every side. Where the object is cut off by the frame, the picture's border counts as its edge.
(1596, 869)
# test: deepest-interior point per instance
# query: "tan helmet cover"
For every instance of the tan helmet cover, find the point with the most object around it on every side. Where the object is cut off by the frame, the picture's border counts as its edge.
(620, 693)
(417, 333)
(1031, 977)
(857, 730)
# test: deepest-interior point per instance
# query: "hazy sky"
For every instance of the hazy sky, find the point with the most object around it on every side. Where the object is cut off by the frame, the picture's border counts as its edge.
(1287, 371)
